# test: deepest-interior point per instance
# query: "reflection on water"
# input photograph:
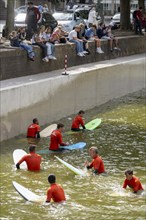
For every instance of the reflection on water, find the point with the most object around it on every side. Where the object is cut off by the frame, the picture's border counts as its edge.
(120, 140)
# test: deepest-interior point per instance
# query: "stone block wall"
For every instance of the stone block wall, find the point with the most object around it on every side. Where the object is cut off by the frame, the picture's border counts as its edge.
(14, 62)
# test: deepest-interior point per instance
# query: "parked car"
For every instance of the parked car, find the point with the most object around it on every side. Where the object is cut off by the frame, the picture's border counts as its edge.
(71, 18)
(68, 19)
(46, 19)
(21, 9)
(115, 20)
(83, 10)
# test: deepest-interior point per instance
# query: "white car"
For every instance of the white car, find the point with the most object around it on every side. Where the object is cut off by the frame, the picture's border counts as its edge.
(68, 19)
(115, 20)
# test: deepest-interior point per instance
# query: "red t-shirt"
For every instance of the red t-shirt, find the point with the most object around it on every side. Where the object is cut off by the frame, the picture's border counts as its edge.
(32, 130)
(97, 164)
(56, 140)
(139, 15)
(56, 193)
(134, 183)
(78, 120)
(32, 160)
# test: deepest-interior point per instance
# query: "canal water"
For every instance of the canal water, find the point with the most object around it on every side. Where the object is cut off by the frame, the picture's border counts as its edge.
(121, 140)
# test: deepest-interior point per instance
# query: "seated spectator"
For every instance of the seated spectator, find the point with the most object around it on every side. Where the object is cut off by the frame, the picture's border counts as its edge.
(39, 41)
(45, 8)
(50, 46)
(13, 37)
(79, 42)
(81, 35)
(91, 35)
(16, 40)
(105, 33)
(24, 43)
(58, 35)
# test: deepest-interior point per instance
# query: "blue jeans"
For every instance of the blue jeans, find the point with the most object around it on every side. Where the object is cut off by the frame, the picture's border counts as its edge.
(79, 45)
(28, 48)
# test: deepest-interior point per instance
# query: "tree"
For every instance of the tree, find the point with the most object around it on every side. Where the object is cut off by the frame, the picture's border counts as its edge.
(10, 17)
(141, 4)
(125, 15)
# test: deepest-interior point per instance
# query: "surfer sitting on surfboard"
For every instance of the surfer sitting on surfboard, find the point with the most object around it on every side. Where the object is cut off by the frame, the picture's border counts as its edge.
(97, 162)
(132, 181)
(55, 191)
(77, 121)
(56, 138)
(32, 160)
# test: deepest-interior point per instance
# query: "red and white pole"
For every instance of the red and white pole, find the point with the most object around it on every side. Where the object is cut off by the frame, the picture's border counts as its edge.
(65, 65)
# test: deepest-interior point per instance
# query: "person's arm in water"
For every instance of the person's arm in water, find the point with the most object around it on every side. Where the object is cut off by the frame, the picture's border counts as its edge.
(18, 166)
(38, 135)
(20, 161)
(82, 123)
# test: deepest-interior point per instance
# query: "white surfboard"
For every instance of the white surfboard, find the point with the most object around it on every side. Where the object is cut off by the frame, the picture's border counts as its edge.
(27, 194)
(70, 167)
(17, 155)
(47, 131)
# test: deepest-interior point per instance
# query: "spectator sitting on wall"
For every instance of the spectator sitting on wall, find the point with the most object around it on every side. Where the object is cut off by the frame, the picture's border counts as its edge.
(105, 33)
(50, 46)
(81, 35)
(79, 42)
(58, 35)
(24, 44)
(17, 41)
(91, 35)
(45, 8)
(37, 40)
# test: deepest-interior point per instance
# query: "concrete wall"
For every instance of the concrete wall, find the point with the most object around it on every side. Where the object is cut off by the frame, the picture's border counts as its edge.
(14, 62)
(51, 98)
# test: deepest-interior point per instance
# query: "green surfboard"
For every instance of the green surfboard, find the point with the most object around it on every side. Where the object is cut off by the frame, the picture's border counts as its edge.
(89, 126)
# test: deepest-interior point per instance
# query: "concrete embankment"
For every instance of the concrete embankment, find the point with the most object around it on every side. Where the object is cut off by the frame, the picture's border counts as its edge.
(53, 96)
(14, 62)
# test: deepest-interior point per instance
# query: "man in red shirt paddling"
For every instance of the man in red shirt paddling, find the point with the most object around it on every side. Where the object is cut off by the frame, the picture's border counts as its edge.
(132, 181)
(55, 191)
(56, 138)
(77, 121)
(32, 160)
(97, 162)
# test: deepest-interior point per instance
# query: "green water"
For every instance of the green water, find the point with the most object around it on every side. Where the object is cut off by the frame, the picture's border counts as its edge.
(121, 142)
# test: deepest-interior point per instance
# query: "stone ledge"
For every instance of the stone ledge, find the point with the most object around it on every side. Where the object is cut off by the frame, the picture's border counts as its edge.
(14, 62)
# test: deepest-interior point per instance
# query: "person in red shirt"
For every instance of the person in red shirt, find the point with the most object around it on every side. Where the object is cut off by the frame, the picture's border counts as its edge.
(33, 130)
(138, 21)
(55, 191)
(32, 160)
(132, 181)
(97, 162)
(56, 138)
(77, 121)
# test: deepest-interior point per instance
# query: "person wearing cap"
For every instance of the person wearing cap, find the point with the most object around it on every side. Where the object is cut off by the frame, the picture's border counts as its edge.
(55, 192)
(32, 160)
(56, 138)
(97, 162)
(77, 121)
(132, 181)
(79, 42)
